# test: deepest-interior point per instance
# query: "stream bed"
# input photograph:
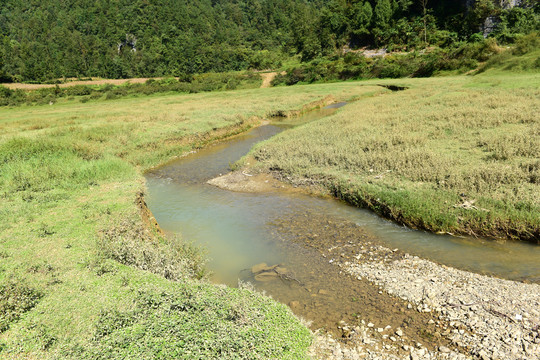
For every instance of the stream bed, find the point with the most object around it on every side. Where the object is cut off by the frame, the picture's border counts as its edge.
(246, 233)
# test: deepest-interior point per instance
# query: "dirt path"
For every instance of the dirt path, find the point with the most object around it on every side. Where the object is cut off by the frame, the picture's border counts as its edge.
(75, 83)
(267, 82)
(267, 79)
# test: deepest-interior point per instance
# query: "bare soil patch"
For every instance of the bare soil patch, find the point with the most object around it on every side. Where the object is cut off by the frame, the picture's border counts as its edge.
(268, 77)
(242, 181)
(29, 87)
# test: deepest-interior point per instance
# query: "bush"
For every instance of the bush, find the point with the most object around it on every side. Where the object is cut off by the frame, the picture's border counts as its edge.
(110, 95)
(15, 299)
(95, 95)
(183, 87)
(78, 90)
(295, 76)
(527, 44)
(130, 244)
(5, 92)
(515, 22)
(513, 59)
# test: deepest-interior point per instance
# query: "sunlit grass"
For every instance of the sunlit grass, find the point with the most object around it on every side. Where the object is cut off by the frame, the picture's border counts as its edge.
(69, 178)
(417, 155)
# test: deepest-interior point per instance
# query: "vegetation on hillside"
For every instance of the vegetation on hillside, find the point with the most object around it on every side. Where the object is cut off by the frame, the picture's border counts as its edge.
(52, 39)
(456, 59)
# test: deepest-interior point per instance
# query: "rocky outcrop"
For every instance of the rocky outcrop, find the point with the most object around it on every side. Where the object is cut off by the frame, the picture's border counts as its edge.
(505, 4)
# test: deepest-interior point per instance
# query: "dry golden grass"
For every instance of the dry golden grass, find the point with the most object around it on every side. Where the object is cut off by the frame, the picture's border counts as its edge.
(75, 82)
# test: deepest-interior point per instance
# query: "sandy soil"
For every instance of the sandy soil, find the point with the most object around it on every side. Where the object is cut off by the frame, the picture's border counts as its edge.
(75, 83)
(243, 181)
(268, 77)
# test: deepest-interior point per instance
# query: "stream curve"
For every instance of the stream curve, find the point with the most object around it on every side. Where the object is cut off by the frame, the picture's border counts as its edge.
(244, 230)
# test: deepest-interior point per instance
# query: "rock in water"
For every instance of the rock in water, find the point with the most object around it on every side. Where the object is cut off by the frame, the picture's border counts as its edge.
(266, 276)
(255, 269)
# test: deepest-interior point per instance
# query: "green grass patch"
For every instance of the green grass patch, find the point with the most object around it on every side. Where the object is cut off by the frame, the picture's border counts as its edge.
(70, 175)
(15, 299)
(196, 321)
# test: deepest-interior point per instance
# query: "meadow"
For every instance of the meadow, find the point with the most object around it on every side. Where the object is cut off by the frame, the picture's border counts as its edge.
(455, 155)
(83, 274)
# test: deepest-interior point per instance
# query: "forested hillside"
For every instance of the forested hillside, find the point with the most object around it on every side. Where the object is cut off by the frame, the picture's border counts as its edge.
(48, 39)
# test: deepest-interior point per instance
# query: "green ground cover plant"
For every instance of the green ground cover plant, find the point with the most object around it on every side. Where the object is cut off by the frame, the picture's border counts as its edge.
(458, 58)
(75, 251)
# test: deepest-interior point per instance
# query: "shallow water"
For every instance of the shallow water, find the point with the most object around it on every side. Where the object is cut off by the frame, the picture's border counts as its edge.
(238, 231)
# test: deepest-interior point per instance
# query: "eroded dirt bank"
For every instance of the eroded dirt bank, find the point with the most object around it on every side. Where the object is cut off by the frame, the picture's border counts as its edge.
(410, 308)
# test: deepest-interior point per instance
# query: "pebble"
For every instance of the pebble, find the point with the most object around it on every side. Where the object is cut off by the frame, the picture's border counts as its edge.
(489, 317)
(444, 349)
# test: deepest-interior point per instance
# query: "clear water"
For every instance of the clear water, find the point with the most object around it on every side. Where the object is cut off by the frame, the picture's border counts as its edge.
(236, 228)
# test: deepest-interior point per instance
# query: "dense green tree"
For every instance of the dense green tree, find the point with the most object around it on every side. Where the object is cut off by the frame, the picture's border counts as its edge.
(383, 13)
(382, 16)
(517, 21)
(361, 14)
(49, 39)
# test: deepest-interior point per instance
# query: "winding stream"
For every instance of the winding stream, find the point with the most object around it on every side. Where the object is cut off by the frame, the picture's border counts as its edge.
(241, 230)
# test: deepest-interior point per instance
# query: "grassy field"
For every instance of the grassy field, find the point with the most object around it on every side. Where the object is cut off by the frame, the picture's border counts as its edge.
(81, 276)
(450, 154)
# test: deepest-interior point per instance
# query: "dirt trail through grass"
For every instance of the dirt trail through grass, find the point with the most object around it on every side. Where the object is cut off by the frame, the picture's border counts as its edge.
(77, 82)
(267, 79)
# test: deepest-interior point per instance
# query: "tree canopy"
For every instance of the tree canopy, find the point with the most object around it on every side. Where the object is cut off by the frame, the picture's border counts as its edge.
(49, 39)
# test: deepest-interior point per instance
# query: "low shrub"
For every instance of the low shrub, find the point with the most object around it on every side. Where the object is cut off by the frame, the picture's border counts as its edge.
(16, 298)
(130, 244)
(78, 90)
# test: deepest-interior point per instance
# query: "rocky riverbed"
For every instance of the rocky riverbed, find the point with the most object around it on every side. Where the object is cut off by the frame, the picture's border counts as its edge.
(491, 318)
(465, 315)
(483, 317)
(446, 313)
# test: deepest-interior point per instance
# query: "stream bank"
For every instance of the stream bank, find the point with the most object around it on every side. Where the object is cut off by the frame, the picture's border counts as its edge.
(479, 316)
(270, 228)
